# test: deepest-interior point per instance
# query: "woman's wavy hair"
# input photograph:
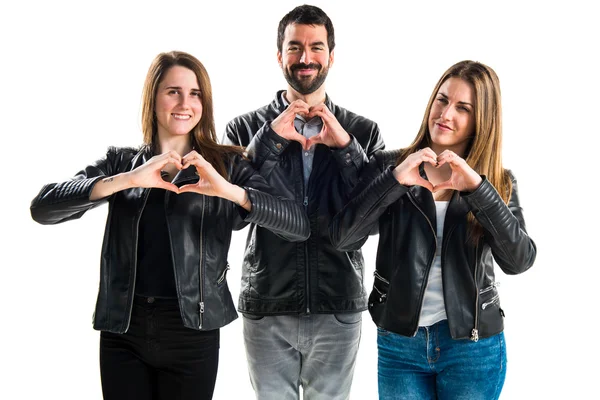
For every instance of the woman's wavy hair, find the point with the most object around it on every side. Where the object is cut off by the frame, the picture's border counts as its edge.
(484, 152)
(203, 137)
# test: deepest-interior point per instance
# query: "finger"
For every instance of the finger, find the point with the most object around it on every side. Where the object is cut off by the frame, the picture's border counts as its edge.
(318, 112)
(428, 158)
(190, 188)
(425, 183)
(192, 155)
(297, 107)
(300, 139)
(313, 140)
(427, 151)
(192, 161)
(167, 186)
(167, 160)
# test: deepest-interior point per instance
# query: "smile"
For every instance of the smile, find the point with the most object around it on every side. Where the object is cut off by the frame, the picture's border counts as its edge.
(181, 117)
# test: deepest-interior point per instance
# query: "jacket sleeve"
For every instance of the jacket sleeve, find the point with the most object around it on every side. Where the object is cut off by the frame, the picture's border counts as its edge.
(265, 148)
(283, 217)
(60, 202)
(513, 250)
(374, 193)
(232, 136)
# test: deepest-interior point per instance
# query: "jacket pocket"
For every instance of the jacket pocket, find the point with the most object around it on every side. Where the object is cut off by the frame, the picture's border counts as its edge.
(381, 287)
(489, 295)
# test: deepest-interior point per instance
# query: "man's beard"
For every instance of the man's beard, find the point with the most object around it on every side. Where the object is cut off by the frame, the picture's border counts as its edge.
(308, 84)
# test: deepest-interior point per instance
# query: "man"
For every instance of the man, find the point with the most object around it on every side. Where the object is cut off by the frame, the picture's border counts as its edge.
(302, 302)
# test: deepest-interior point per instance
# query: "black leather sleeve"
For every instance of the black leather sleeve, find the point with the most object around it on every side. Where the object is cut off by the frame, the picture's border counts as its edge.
(60, 202)
(283, 217)
(373, 194)
(265, 148)
(513, 250)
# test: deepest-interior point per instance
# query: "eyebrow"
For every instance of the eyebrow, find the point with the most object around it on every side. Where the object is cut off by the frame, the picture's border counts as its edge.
(180, 88)
(297, 43)
(460, 102)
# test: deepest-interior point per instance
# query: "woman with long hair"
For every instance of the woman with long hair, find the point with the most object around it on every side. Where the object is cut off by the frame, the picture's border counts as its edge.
(172, 206)
(445, 210)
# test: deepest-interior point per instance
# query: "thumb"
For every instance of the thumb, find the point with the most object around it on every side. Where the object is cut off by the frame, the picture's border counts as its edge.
(313, 140)
(425, 183)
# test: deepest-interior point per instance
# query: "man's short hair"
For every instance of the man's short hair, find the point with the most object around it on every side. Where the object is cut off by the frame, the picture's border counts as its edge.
(306, 15)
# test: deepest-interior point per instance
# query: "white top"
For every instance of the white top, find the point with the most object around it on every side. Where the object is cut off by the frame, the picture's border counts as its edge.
(433, 309)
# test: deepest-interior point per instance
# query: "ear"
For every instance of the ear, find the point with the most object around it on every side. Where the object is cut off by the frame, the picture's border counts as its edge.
(279, 59)
(331, 58)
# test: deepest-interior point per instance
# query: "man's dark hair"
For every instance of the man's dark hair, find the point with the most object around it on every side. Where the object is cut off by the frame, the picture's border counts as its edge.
(306, 15)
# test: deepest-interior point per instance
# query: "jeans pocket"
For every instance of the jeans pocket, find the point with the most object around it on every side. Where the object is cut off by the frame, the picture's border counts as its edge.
(348, 319)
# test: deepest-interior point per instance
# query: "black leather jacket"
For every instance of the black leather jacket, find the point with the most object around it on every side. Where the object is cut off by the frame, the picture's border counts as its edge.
(199, 227)
(405, 219)
(280, 277)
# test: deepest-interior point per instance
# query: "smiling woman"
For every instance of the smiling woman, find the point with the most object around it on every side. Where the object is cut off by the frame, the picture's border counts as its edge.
(172, 206)
(178, 103)
(451, 211)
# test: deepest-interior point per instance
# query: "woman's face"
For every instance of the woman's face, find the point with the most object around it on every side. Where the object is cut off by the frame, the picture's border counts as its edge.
(452, 117)
(178, 105)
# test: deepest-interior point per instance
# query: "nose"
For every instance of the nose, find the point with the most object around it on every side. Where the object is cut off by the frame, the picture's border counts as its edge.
(184, 100)
(305, 58)
(446, 113)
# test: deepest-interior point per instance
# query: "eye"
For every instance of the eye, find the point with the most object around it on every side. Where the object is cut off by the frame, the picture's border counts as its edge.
(293, 48)
(197, 94)
(442, 100)
(463, 108)
(173, 91)
(318, 48)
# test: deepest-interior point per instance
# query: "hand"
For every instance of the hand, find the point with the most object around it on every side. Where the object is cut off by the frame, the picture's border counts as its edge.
(283, 125)
(463, 178)
(332, 134)
(148, 175)
(211, 183)
(407, 172)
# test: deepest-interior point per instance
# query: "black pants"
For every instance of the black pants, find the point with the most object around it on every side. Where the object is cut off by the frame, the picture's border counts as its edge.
(158, 358)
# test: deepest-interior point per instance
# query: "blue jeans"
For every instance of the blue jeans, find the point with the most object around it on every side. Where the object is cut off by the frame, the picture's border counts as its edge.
(316, 351)
(432, 365)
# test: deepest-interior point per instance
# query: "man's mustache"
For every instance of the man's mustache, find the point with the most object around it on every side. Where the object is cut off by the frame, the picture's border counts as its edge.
(305, 66)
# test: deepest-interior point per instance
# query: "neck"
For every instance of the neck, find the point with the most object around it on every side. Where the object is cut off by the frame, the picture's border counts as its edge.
(312, 99)
(459, 149)
(180, 144)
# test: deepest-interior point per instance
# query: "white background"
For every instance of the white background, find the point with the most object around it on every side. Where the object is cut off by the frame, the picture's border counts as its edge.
(71, 75)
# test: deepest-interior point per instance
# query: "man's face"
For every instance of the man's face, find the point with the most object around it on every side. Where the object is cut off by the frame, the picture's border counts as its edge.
(305, 57)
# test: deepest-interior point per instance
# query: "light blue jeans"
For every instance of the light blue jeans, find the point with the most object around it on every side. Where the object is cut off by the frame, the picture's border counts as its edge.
(317, 351)
(432, 365)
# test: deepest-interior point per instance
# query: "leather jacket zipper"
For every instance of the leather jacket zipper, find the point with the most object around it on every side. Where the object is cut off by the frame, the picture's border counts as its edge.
(201, 270)
(490, 302)
(410, 197)
(381, 278)
(223, 275)
(137, 235)
(307, 261)
(475, 331)
(491, 287)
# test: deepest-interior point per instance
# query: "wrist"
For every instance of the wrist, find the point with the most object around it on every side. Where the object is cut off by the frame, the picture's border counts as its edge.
(344, 142)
